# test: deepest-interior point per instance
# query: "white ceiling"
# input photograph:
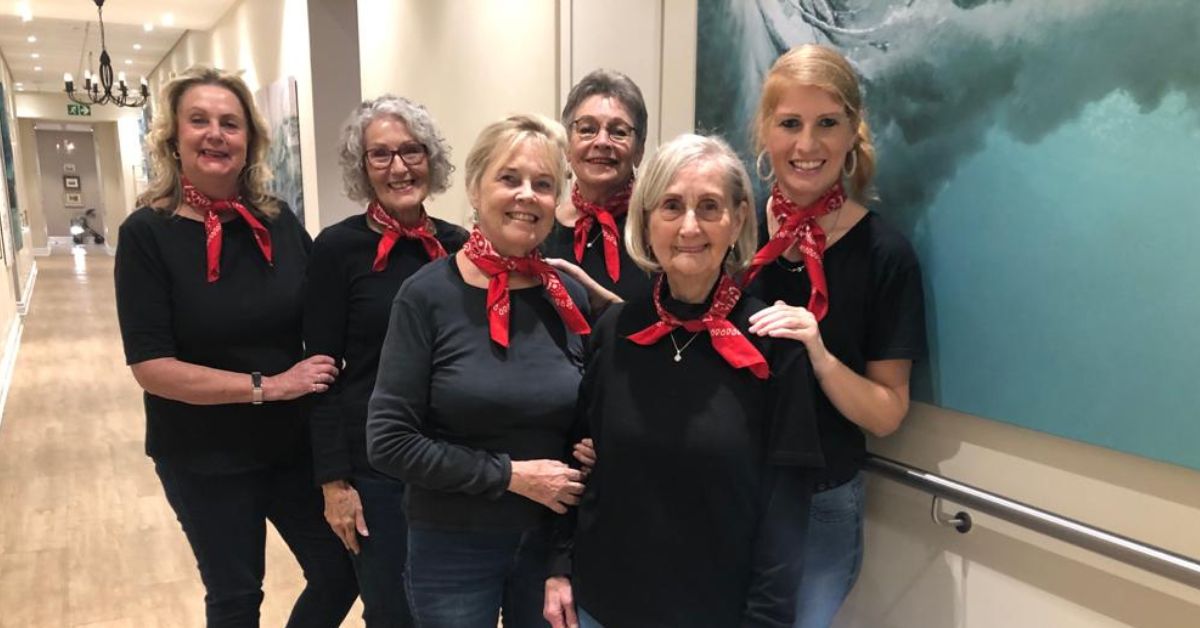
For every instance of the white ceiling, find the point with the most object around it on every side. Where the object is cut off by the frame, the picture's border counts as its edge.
(67, 30)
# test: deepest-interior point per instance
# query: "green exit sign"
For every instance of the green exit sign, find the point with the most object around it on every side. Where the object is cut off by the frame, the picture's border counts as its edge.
(78, 110)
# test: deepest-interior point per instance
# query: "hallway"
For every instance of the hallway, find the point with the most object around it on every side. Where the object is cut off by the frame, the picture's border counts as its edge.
(86, 536)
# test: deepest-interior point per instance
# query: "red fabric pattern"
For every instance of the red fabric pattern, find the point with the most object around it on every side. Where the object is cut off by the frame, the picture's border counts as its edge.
(212, 210)
(498, 267)
(393, 231)
(606, 214)
(737, 350)
(798, 226)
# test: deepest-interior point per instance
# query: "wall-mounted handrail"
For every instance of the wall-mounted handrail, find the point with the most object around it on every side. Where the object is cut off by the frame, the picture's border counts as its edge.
(1153, 559)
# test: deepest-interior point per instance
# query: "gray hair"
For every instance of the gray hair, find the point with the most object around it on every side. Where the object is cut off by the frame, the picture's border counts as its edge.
(498, 139)
(657, 176)
(609, 83)
(354, 176)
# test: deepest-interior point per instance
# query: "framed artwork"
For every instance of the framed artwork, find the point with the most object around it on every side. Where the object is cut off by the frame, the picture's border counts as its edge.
(278, 104)
(73, 199)
(69, 168)
(71, 181)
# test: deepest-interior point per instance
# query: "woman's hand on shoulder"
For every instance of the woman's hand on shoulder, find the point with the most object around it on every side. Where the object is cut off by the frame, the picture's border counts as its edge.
(311, 375)
(599, 297)
(559, 607)
(550, 483)
(796, 323)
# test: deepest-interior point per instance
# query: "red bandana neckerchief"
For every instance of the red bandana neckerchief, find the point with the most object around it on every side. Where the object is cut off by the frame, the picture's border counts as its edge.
(212, 210)
(393, 231)
(737, 350)
(498, 267)
(798, 226)
(606, 214)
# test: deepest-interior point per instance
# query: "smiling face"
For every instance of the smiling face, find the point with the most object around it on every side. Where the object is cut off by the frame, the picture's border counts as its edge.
(604, 147)
(693, 225)
(515, 199)
(212, 134)
(808, 137)
(399, 186)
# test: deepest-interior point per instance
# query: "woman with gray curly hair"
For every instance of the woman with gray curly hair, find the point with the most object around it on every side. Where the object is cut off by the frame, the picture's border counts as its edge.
(393, 158)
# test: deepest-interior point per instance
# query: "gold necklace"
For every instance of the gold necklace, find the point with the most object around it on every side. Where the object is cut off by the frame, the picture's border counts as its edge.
(779, 261)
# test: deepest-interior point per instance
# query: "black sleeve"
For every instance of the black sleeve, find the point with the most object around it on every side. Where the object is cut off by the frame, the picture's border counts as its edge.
(779, 549)
(897, 326)
(396, 414)
(326, 299)
(143, 288)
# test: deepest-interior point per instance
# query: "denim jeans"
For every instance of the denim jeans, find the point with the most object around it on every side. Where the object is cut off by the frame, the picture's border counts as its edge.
(225, 520)
(833, 553)
(586, 620)
(462, 579)
(383, 553)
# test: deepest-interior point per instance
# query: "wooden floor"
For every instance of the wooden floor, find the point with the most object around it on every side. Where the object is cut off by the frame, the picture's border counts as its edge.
(86, 536)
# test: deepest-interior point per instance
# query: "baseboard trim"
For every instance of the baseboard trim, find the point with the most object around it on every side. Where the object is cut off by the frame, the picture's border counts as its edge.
(66, 241)
(42, 252)
(8, 362)
(23, 305)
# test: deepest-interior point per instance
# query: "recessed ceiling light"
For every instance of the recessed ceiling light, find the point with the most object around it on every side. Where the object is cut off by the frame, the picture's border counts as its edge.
(35, 56)
(137, 46)
(37, 68)
(25, 12)
(31, 39)
(148, 26)
(168, 19)
(129, 62)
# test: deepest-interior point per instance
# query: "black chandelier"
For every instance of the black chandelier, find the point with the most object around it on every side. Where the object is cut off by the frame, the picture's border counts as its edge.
(101, 90)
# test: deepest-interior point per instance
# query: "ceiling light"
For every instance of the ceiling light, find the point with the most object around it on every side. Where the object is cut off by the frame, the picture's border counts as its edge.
(148, 26)
(35, 56)
(37, 68)
(25, 12)
(31, 39)
(168, 19)
(103, 90)
(137, 46)
(129, 62)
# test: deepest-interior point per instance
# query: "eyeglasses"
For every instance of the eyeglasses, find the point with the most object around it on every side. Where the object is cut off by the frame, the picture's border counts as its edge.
(412, 153)
(588, 128)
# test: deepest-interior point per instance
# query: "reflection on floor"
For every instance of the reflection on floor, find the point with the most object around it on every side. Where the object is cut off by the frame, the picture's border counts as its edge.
(86, 537)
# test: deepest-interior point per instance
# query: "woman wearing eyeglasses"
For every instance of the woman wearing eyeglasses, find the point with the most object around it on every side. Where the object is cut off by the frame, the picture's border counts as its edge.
(393, 158)
(605, 118)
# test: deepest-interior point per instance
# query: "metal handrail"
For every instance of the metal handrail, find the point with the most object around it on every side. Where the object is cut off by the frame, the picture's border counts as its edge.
(1153, 559)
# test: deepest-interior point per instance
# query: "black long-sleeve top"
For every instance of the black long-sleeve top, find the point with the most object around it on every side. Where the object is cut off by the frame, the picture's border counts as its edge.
(451, 409)
(633, 281)
(695, 512)
(346, 311)
(248, 320)
(876, 312)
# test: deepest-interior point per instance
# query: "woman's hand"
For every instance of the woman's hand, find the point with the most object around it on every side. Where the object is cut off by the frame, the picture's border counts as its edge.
(344, 513)
(310, 375)
(788, 321)
(559, 607)
(585, 452)
(548, 482)
(599, 297)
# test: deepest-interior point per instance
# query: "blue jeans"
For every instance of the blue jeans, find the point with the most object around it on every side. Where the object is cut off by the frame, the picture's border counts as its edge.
(383, 554)
(833, 553)
(460, 579)
(225, 520)
(586, 620)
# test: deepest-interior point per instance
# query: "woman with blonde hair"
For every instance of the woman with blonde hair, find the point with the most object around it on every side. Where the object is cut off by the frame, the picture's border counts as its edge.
(844, 283)
(476, 392)
(704, 434)
(209, 276)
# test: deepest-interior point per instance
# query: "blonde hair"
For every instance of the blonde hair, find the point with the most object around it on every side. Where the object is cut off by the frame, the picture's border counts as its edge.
(823, 67)
(165, 190)
(657, 176)
(499, 139)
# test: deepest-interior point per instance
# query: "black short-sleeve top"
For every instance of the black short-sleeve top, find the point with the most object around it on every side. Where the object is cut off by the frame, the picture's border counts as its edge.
(876, 312)
(667, 526)
(451, 408)
(633, 282)
(346, 316)
(248, 320)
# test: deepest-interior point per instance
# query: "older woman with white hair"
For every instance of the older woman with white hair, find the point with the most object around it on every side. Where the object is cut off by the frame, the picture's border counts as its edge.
(393, 158)
(705, 434)
(476, 392)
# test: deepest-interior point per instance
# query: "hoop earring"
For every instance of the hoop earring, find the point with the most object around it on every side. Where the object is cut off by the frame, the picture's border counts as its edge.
(852, 159)
(175, 155)
(758, 167)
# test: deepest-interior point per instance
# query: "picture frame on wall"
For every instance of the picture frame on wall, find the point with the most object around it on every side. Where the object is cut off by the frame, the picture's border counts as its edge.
(68, 168)
(71, 182)
(73, 199)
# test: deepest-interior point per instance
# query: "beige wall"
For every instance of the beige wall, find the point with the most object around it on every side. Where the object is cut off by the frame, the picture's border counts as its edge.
(265, 40)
